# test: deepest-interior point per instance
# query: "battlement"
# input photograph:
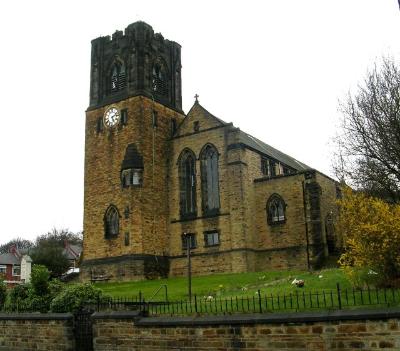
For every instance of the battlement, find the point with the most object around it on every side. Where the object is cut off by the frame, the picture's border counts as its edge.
(147, 63)
(136, 30)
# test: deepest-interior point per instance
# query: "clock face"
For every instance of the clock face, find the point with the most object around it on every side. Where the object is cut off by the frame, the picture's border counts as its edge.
(111, 117)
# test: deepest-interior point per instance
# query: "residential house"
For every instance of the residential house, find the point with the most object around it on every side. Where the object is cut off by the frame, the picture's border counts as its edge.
(15, 267)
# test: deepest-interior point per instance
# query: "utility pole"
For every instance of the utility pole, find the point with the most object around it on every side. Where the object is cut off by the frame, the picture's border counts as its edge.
(187, 237)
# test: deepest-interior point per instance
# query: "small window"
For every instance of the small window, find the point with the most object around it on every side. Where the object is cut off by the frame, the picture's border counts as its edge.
(211, 238)
(196, 126)
(173, 126)
(3, 269)
(127, 212)
(192, 240)
(272, 168)
(155, 119)
(124, 117)
(16, 270)
(286, 171)
(280, 169)
(127, 241)
(276, 210)
(111, 222)
(99, 125)
(265, 166)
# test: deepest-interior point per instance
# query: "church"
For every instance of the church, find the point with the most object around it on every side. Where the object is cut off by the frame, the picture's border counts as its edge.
(159, 182)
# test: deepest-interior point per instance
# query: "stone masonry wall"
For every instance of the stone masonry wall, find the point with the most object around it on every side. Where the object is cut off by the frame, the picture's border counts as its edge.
(205, 259)
(284, 245)
(328, 204)
(339, 331)
(23, 332)
(143, 210)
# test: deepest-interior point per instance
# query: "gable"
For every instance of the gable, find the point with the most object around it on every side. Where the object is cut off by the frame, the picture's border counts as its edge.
(198, 119)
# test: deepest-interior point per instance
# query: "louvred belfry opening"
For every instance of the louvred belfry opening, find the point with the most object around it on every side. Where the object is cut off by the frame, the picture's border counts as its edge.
(132, 167)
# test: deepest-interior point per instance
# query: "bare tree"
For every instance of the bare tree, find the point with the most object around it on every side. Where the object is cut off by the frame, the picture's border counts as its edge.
(22, 245)
(368, 149)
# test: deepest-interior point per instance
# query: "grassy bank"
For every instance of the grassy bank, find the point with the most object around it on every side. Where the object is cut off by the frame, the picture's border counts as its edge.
(230, 285)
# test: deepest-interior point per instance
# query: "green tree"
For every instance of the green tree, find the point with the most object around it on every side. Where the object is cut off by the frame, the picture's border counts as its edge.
(40, 280)
(51, 256)
(49, 250)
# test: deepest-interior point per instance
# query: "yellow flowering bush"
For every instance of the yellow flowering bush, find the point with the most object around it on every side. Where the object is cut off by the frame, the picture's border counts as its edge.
(370, 229)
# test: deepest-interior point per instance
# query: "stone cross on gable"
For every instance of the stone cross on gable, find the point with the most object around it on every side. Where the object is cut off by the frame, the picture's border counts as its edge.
(197, 97)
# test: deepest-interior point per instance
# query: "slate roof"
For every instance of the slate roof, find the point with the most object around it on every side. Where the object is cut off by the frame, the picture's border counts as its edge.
(72, 251)
(254, 143)
(264, 148)
(9, 258)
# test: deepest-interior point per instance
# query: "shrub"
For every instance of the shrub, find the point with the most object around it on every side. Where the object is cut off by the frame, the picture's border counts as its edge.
(3, 293)
(370, 229)
(19, 293)
(55, 287)
(18, 297)
(40, 280)
(37, 295)
(76, 297)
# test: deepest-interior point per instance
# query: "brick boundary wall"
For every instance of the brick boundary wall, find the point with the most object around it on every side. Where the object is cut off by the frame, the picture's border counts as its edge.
(35, 331)
(322, 331)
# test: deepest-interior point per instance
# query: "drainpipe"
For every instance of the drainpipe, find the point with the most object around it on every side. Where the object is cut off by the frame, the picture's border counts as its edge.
(306, 225)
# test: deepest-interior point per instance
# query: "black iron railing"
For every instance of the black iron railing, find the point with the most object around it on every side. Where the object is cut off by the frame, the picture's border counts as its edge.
(261, 302)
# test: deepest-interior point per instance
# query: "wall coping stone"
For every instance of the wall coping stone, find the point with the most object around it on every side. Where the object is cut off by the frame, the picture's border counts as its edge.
(117, 315)
(262, 318)
(36, 316)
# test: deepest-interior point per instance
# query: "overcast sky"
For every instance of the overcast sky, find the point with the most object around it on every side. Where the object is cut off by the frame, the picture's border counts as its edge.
(276, 69)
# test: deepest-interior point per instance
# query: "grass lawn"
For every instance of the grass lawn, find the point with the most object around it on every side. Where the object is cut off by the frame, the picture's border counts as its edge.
(230, 285)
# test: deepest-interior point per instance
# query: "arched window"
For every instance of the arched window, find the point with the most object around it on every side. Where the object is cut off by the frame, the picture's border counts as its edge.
(111, 222)
(118, 77)
(209, 179)
(276, 210)
(159, 79)
(187, 183)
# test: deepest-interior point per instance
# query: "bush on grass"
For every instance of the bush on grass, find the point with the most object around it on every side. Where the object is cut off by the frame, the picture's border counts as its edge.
(3, 293)
(370, 229)
(76, 297)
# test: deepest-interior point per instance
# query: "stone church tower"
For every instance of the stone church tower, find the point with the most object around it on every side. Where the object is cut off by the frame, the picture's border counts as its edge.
(157, 180)
(135, 106)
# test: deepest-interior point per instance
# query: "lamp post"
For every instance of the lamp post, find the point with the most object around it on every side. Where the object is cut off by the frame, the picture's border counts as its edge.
(189, 264)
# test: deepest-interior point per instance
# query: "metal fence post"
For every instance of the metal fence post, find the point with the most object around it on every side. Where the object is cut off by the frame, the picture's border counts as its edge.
(259, 300)
(338, 296)
(195, 302)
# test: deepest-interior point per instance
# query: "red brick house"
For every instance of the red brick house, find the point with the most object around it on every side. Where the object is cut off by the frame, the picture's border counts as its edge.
(15, 267)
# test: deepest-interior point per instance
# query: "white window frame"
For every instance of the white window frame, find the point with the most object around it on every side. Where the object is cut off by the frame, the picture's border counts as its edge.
(13, 270)
(214, 235)
(3, 269)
